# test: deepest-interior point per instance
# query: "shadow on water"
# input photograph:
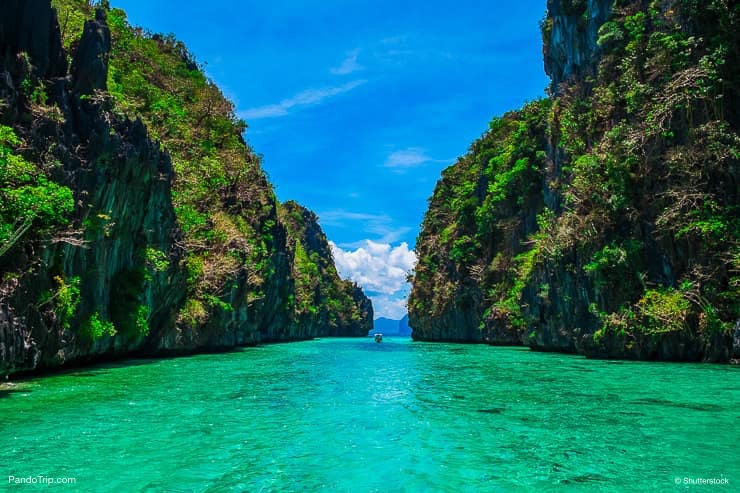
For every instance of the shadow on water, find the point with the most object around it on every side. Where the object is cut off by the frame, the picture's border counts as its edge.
(100, 367)
(631, 413)
(680, 405)
(86, 369)
(105, 368)
(494, 410)
(585, 479)
(7, 391)
(85, 374)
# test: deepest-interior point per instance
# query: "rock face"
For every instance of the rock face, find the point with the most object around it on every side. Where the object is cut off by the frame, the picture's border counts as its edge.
(570, 32)
(31, 27)
(90, 65)
(360, 327)
(322, 300)
(581, 223)
(122, 181)
(124, 251)
(464, 251)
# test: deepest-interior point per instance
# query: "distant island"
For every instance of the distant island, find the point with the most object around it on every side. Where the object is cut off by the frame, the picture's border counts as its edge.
(390, 327)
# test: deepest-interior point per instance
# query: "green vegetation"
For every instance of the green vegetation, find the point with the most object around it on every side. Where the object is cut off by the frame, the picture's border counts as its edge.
(65, 299)
(95, 328)
(30, 203)
(468, 253)
(609, 210)
(142, 325)
(139, 211)
(320, 294)
(156, 261)
(224, 204)
(193, 313)
(664, 310)
(223, 201)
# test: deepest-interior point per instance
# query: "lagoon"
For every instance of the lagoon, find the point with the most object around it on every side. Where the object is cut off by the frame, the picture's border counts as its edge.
(354, 415)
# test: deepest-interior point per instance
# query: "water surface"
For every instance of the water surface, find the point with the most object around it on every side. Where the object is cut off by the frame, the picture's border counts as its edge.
(353, 415)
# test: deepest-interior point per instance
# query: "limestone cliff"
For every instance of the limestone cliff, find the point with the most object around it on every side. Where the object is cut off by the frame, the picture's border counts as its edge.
(322, 300)
(603, 220)
(135, 262)
(570, 35)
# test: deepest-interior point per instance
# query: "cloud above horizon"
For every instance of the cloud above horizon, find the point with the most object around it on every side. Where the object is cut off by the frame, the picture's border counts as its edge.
(407, 158)
(349, 65)
(392, 307)
(411, 157)
(309, 97)
(381, 270)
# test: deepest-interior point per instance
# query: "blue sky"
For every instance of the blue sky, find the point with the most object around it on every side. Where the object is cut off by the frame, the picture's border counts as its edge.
(356, 107)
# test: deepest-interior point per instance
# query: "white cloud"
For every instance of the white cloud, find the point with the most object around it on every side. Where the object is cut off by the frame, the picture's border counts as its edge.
(407, 158)
(377, 267)
(338, 217)
(381, 270)
(348, 65)
(411, 157)
(389, 307)
(310, 97)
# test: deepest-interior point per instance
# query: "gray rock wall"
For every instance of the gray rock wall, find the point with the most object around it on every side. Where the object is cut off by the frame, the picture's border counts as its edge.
(570, 33)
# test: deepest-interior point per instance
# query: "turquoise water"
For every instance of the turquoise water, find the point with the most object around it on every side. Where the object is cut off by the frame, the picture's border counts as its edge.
(353, 415)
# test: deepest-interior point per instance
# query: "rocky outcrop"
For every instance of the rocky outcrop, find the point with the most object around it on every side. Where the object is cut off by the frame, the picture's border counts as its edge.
(570, 33)
(90, 65)
(362, 325)
(458, 323)
(115, 282)
(323, 302)
(121, 181)
(581, 223)
(31, 27)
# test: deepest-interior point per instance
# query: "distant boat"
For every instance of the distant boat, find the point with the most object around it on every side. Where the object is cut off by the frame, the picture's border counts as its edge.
(378, 337)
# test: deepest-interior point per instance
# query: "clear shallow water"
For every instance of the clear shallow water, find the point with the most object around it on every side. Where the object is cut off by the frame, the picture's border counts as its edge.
(353, 415)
